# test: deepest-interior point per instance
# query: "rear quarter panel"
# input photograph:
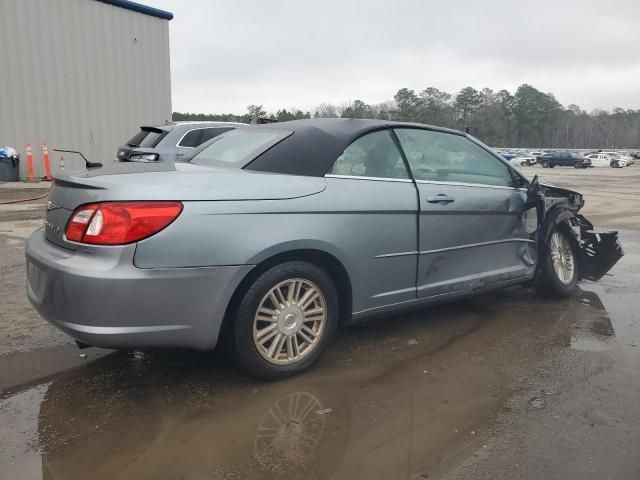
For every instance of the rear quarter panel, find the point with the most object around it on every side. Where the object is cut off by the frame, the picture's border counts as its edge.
(334, 221)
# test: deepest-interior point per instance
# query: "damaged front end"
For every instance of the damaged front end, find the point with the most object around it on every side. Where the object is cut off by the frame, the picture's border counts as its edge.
(598, 251)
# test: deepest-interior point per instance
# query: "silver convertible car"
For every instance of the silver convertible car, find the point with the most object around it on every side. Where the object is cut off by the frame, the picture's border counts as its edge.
(274, 235)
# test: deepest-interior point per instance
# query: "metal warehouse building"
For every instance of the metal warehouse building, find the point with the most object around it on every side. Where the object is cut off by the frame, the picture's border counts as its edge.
(81, 75)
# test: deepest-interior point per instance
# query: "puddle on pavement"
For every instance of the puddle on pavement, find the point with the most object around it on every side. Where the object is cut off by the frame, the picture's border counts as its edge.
(19, 369)
(393, 398)
(20, 454)
(398, 397)
(593, 330)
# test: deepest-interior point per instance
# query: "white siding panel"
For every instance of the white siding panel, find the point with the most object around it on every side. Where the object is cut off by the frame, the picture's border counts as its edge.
(73, 69)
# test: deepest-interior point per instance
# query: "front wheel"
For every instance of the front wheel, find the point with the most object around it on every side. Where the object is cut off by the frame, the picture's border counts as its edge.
(557, 275)
(285, 319)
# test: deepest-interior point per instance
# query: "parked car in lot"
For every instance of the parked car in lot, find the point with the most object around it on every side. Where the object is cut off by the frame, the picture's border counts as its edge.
(170, 142)
(563, 159)
(621, 157)
(525, 159)
(276, 234)
(606, 160)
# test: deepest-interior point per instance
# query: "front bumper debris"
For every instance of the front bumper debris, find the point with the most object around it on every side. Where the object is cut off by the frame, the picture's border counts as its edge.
(600, 250)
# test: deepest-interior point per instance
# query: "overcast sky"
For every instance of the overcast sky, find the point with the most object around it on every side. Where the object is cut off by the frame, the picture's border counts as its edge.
(226, 55)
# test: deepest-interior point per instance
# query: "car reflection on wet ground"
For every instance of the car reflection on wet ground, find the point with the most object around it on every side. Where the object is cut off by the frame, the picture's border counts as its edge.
(503, 385)
(424, 395)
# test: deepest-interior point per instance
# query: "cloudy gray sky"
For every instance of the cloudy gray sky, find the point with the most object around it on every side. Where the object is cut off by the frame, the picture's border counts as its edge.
(226, 55)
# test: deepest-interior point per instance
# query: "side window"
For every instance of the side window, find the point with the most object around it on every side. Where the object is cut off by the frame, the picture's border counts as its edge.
(447, 157)
(191, 139)
(209, 133)
(372, 155)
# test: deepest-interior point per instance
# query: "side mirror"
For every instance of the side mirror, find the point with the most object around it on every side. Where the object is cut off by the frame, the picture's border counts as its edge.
(533, 189)
(535, 199)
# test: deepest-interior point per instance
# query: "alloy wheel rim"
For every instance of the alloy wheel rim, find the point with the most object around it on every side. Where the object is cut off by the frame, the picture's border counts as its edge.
(562, 258)
(289, 321)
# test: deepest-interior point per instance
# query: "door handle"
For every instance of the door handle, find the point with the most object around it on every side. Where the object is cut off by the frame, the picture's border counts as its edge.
(440, 198)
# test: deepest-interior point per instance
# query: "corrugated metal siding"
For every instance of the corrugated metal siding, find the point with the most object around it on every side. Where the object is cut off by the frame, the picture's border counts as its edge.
(73, 69)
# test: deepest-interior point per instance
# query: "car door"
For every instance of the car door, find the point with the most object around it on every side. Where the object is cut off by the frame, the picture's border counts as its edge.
(569, 160)
(471, 226)
(595, 161)
(565, 159)
(375, 221)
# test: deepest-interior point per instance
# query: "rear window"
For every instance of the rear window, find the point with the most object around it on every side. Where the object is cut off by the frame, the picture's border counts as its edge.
(146, 138)
(238, 147)
(210, 133)
(191, 139)
(197, 137)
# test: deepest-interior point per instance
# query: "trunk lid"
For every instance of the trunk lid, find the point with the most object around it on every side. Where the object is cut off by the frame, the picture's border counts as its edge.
(165, 181)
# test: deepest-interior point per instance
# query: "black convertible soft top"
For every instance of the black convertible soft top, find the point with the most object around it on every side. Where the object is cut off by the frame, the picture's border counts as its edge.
(315, 143)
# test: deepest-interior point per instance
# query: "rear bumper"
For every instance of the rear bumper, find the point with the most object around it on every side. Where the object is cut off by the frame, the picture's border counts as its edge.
(100, 298)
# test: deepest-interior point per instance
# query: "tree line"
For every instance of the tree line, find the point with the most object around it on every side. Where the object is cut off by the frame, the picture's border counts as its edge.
(526, 118)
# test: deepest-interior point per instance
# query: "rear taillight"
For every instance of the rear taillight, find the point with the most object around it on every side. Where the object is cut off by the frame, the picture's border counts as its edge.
(118, 223)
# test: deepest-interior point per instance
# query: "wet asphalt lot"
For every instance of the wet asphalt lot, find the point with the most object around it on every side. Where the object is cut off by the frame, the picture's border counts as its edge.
(503, 385)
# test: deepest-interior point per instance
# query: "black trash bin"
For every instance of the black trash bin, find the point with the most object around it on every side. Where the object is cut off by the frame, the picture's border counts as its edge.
(9, 169)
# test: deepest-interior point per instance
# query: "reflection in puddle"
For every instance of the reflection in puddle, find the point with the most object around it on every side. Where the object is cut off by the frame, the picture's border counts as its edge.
(390, 412)
(21, 368)
(377, 406)
(593, 330)
(289, 432)
(20, 456)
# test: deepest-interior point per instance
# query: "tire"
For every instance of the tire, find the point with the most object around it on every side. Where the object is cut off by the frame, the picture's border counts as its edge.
(549, 281)
(545, 164)
(290, 329)
(614, 164)
(523, 164)
(577, 165)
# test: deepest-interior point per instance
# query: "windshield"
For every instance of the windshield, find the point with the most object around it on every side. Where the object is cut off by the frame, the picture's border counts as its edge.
(238, 147)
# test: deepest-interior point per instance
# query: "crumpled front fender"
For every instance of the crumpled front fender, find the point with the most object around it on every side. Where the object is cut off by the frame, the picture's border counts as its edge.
(598, 251)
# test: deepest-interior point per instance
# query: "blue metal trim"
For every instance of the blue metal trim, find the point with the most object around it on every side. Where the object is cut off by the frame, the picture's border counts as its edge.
(138, 7)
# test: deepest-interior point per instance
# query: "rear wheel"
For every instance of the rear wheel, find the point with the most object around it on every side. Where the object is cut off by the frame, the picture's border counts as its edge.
(557, 275)
(287, 316)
